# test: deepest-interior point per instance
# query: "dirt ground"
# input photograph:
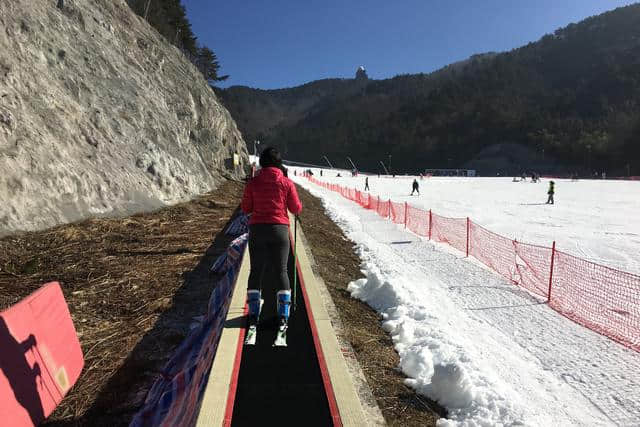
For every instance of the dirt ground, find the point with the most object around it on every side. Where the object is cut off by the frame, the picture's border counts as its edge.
(133, 286)
(338, 266)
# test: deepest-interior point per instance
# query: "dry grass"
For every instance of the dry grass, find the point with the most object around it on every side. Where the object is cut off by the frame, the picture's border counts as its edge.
(338, 265)
(133, 286)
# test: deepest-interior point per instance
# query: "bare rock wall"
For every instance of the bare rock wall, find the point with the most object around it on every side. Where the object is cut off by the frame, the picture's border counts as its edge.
(100, 115)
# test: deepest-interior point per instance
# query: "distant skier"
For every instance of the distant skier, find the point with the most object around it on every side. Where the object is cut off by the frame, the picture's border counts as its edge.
(415, 187)
(267, 197)
(551, 192)
(320, 172)
(366, 183)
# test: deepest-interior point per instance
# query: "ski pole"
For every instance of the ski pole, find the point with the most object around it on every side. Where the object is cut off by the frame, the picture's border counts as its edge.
(295, 262)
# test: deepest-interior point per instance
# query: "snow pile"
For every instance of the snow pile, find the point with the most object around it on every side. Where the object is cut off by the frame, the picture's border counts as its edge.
(487, 351)
(436, 366)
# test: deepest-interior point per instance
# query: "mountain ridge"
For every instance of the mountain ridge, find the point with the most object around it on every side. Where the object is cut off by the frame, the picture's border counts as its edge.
(569, 99)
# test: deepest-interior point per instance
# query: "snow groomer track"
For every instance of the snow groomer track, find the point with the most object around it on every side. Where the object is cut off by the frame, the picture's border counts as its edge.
(304, 383)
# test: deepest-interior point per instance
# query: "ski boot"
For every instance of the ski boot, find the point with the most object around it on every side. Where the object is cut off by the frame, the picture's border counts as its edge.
(284, 303)
(255, 306)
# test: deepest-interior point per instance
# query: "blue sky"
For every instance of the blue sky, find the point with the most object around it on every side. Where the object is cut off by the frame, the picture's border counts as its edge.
(284, 43)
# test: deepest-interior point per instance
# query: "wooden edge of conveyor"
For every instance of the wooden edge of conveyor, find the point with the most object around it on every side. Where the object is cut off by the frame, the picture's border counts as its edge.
(214, 407)
(346, 396)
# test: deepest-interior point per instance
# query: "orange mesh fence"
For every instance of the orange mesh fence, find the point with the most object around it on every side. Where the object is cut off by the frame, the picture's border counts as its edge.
(373, 203)
(525, 265)
(418, 221)
(598, 297)
(383, 208)
(601, 298)
(494, 251)
(364, 200)
(450, 230)
(397, 212)
(532, 268)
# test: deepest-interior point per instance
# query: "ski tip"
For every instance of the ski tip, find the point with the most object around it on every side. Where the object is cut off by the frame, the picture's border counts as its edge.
(280, 341)
(250, 339)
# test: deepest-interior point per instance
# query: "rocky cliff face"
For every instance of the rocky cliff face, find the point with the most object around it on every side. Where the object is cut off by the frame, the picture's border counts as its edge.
(100, 115)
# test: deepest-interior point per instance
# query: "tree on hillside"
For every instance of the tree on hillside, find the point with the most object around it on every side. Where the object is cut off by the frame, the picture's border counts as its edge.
(207, 63)
(169, 18)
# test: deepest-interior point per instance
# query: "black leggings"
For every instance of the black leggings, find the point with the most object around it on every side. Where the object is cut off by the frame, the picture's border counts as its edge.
(269, 253)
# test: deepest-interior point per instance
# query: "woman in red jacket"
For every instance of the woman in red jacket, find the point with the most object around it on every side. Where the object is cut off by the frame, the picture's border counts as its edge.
(267, 198)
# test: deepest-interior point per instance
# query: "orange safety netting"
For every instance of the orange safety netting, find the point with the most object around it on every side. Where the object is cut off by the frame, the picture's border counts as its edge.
(398, 211)
(383, 208)
(450, 230)
(524, 264)
(418, 221)
(601, 298)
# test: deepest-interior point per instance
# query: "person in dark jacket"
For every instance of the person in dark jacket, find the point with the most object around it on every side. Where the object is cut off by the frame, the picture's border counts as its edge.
(267, 197)
(366, 183)
(415, 187)
(551, 192)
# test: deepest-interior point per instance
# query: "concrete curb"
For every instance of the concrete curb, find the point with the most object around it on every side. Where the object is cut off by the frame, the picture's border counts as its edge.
(347, 398)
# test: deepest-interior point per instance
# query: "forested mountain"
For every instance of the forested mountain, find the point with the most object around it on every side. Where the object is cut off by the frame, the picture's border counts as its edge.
(260, 113)
(570, 101)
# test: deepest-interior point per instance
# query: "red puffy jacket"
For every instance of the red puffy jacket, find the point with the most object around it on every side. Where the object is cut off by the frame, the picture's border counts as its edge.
(267, 197)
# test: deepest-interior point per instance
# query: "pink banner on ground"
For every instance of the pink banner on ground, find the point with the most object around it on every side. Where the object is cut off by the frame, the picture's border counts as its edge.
(40, 356)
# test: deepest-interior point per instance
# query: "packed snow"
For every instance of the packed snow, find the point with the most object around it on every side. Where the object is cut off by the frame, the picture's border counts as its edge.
(486, 350)
(597, 220)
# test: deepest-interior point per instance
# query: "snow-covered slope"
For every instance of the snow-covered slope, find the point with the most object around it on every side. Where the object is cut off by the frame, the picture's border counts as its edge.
(487, 350)
(596, 220)
(99, 114)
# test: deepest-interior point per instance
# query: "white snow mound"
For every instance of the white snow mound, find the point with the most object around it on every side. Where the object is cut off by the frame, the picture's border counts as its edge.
(436, 368)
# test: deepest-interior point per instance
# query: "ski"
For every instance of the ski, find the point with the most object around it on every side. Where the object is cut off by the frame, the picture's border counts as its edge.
(281, 337)
(252, 333)
(252, 330)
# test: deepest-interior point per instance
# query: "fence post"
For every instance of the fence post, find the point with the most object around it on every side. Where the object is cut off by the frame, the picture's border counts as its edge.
(405, 214)
(468, 236)
(430, 222)
(553, 256)
(389, 207)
